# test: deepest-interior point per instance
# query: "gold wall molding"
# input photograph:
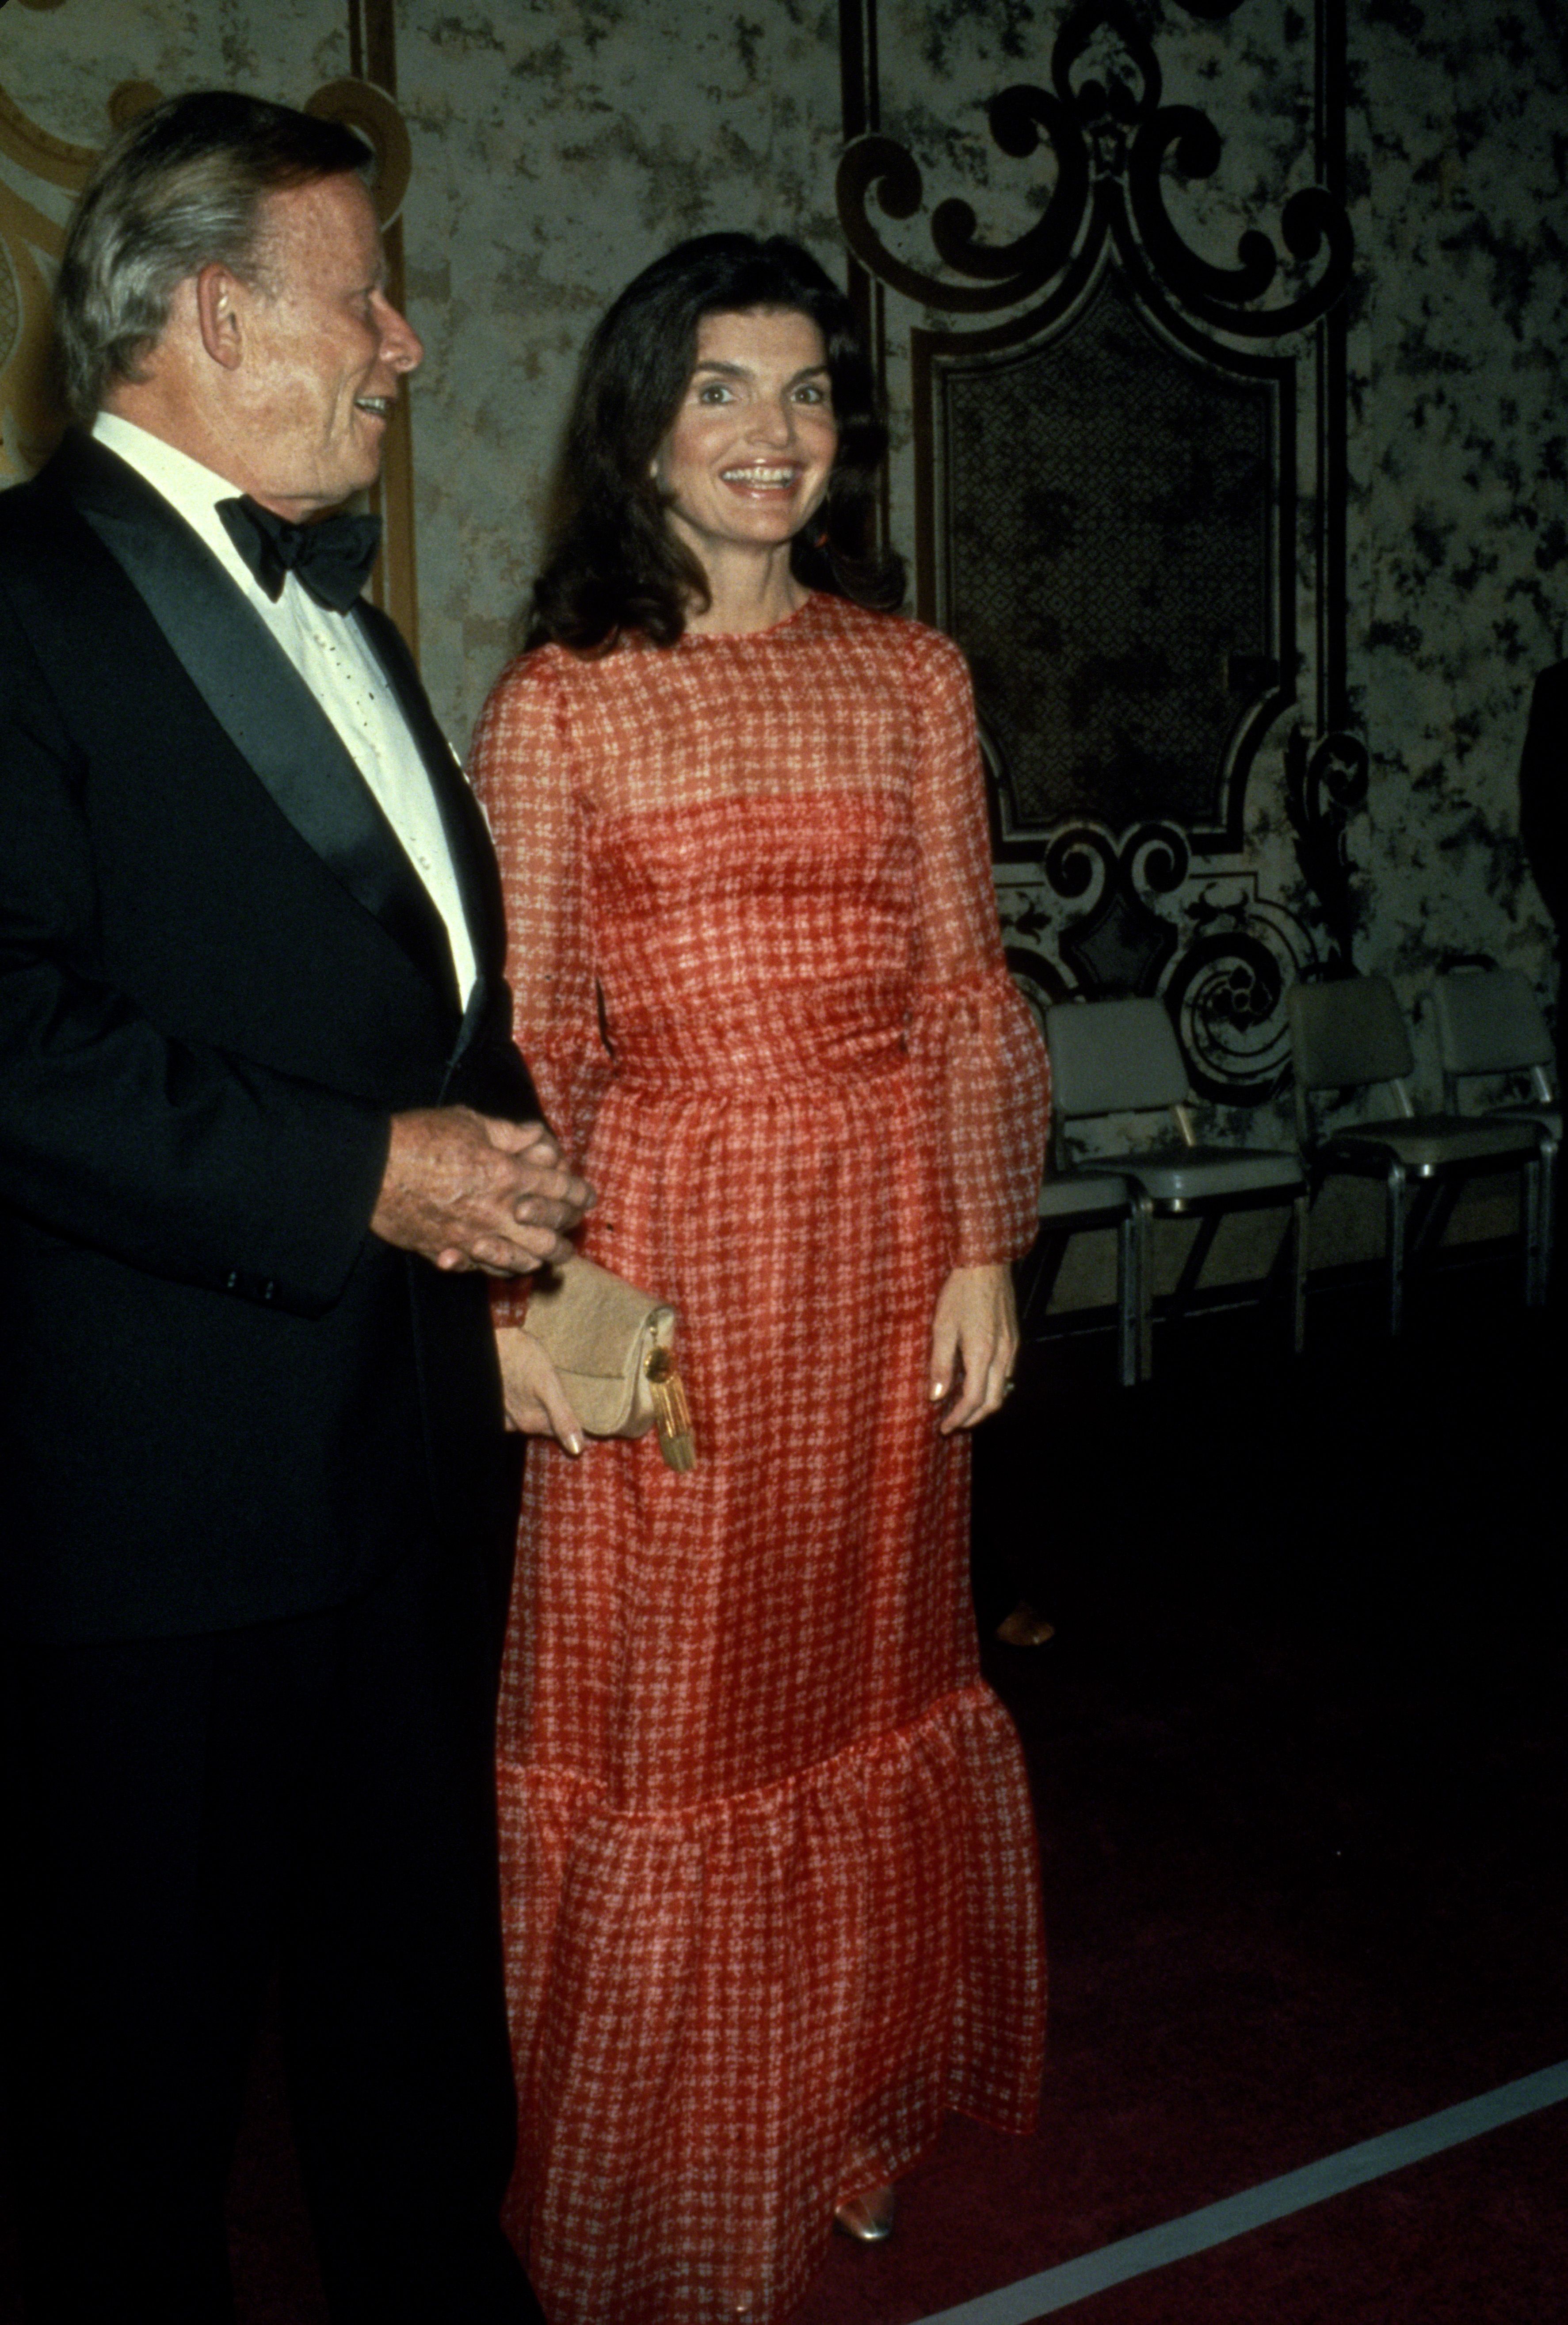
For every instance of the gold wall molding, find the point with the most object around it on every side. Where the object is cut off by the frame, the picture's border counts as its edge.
(30, 418)
(46, 157)
(30, 243)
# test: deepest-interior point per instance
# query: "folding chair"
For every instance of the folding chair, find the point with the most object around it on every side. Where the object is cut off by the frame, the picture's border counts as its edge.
(1348, 1037)
(1122, 1058)
(1490, 1024)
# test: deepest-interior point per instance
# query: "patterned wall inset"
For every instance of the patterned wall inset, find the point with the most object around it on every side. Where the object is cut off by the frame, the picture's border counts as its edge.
(1110, 520)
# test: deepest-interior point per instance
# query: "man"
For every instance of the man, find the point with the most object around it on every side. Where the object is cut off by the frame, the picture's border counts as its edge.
(263, 1131)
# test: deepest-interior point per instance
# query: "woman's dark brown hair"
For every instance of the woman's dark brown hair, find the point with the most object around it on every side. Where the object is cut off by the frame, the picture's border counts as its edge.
(614, 564)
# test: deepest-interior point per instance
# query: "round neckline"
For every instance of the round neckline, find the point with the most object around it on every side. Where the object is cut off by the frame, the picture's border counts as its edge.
(744, 637)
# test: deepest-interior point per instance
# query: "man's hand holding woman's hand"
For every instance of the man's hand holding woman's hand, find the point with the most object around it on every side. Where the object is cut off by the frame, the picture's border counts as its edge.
(466, 1190)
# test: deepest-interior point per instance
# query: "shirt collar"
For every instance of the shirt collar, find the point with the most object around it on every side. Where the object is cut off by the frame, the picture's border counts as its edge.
(192, 490)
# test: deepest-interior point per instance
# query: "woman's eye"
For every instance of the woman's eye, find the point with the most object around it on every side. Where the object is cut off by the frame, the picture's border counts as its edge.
(713, 393)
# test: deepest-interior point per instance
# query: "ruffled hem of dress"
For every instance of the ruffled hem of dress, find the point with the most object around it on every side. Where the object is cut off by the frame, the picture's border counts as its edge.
(730, 2017)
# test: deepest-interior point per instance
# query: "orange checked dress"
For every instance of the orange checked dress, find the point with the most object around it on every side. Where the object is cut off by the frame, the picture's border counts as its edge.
(770, 1880)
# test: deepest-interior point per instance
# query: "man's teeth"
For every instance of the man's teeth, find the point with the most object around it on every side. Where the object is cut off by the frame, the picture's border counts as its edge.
(380, 404)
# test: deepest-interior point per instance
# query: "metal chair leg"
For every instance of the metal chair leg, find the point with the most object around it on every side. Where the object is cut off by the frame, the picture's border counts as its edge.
(1143, 1212)
(1549, 1153)
(1532, 1205)
(1394, 1210)
(1297, 1232)
(1127, 1295)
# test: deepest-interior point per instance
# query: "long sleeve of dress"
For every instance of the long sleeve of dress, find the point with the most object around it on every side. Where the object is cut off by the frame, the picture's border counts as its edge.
(970, 1034)
(520, 767)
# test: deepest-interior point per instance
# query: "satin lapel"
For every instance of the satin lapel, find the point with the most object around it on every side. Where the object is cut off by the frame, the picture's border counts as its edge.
(257, 696)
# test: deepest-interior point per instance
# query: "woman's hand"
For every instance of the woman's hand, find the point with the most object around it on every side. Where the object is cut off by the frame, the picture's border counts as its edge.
(536, 1403)
(974, 1344)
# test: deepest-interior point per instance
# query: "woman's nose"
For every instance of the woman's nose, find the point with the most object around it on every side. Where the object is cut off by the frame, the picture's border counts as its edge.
(773, 423)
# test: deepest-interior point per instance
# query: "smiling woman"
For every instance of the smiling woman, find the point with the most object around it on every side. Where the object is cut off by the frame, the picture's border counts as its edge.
(768, 1860)
(723, 324)
(746, 462)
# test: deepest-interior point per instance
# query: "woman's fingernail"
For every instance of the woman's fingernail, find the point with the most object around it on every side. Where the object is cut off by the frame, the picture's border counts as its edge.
(938, 1391)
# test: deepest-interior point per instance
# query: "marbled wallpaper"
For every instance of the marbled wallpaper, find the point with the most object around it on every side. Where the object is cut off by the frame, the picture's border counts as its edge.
(558, 145)
(1460, 576)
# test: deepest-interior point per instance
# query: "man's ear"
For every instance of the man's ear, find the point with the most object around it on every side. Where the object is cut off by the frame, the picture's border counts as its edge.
(217, 314)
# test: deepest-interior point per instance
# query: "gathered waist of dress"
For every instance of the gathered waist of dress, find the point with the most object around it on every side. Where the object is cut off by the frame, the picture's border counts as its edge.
(751, 1053)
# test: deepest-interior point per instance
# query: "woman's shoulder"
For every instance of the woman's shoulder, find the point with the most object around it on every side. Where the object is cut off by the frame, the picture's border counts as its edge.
(920, 656)
(534, 668)
(545, 680)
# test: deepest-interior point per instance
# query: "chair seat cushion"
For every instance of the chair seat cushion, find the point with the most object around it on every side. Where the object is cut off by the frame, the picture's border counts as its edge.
(1082, 1193)
(1432, 1141)
(1550, 1117)
(1192, 1174)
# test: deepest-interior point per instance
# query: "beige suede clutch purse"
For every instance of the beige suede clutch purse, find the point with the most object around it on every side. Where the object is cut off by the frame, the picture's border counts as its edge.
(614, 1348)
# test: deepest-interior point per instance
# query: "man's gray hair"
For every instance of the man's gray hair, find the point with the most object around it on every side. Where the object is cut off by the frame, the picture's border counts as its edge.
(182, 188)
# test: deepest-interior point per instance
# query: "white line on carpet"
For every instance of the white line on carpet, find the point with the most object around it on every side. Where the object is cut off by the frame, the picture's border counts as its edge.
(1271, 2200)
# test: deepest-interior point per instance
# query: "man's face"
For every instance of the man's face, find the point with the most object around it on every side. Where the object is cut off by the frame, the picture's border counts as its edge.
(324, 350)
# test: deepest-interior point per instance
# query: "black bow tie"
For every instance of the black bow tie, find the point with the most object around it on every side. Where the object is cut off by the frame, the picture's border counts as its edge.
(331, 558)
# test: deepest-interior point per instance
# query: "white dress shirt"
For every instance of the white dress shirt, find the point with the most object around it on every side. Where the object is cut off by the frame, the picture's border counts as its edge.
(336, 663)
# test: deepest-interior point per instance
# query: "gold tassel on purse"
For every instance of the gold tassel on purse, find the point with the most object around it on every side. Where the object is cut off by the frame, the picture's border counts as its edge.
(672, 1413)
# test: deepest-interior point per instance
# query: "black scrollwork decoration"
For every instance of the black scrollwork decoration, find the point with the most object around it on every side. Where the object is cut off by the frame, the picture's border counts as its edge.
(1226, 993)
(1112, 141)
(1225, 999)
(1325, 783)
(1013, 272)
(1121, 944)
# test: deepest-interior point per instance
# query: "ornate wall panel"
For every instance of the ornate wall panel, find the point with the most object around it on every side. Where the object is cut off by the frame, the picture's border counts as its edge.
(1129, 504)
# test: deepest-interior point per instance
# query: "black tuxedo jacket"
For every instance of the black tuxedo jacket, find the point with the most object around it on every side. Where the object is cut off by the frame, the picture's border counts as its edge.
(221, 1399)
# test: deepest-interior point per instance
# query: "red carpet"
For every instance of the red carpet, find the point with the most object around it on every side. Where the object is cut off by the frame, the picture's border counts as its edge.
(1300, 1751)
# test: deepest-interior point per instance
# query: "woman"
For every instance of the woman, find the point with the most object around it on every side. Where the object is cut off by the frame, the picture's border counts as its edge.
(771, 1886)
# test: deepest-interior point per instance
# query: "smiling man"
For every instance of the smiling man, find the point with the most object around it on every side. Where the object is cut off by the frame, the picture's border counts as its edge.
(263, 1133)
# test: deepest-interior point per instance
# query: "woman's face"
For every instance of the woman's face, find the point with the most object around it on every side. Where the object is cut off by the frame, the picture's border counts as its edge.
(749, 454)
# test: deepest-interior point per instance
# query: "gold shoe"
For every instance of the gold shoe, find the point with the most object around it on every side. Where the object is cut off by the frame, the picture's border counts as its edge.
(1023, 1627)
(868, 2218)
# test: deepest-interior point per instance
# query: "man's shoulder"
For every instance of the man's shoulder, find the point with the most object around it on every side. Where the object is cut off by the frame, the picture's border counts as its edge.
(40, 518)
(31, 507)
